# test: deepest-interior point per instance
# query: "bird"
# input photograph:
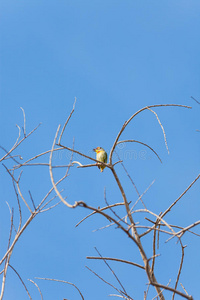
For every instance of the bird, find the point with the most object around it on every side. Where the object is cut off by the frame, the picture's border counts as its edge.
(101, 155)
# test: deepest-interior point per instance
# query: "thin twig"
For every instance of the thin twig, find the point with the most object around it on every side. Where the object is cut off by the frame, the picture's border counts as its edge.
(67, 122)
(32, 200)
(184, 289)
(19, 190)
(21, 280)
(112, 210)
(161, 128)
(42, 164)
(131, 207)
(134, 115)
(41, 208)
(134, 141)
(10, 156)
(104, 281)
(18, 202)
(116, 277)
(83, 204)
(7, 259)
(18, 143)
(186, 229)
(101, 209)
(24, 121)
(140, 197)
(179, 271)
(120, 296)
(36, 156)
(117, 259)
(83, 166)
(170, 207)
(195, 100)
(154, 243)
(63, 281)
(37, 287)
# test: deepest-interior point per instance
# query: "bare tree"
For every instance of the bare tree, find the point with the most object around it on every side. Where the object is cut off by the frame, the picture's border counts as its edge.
(121, 214)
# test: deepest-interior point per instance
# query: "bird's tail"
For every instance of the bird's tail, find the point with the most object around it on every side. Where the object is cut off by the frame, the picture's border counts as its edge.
(102, 168)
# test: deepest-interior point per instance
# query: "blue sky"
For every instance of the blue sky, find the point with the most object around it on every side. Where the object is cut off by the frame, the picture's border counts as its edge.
(115, 57)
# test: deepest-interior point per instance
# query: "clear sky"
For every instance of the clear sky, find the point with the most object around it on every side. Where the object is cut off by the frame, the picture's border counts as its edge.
(115, 57)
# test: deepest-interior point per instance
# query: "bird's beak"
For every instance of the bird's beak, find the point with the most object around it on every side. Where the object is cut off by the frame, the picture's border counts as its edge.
(94, 150)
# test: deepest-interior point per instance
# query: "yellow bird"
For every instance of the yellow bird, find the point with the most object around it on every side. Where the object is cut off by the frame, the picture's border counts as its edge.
(101, 155)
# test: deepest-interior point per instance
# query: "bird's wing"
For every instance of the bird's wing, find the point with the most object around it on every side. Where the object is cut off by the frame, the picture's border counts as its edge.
(106, 157)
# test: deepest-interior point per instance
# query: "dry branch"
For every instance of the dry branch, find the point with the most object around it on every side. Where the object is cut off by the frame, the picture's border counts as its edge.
(134, 141)
(117, 259)
(133, 116)
(63, 281)
(37, 288)
(21, 281)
